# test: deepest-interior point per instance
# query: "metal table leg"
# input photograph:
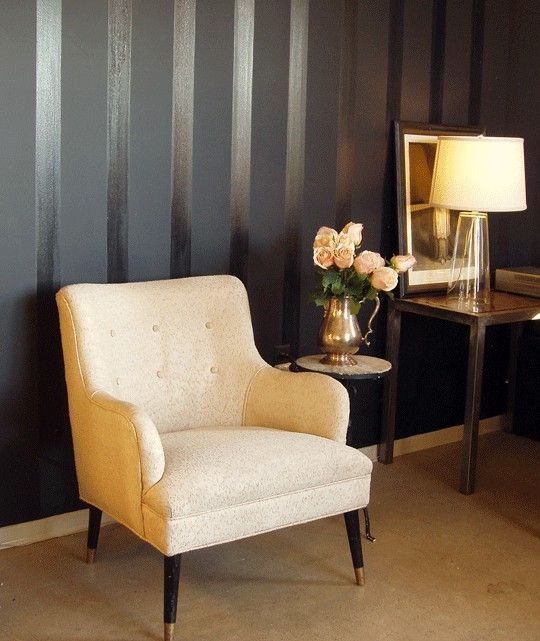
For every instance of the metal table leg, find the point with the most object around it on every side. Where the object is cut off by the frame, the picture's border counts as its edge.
(388, 427)
(477, 334)
(516, 331)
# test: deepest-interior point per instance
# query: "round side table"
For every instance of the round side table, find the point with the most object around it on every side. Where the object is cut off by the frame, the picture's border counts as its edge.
(367, 368)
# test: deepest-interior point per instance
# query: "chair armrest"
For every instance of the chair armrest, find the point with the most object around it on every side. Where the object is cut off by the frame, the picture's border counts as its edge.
(118, 453)
(298, 402)
(135, 422)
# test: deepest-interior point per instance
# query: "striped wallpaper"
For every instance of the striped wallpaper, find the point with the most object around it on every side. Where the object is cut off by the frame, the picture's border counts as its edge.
(163, 138)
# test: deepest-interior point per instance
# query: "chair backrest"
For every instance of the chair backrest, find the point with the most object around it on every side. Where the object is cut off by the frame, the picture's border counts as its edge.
(182, 349)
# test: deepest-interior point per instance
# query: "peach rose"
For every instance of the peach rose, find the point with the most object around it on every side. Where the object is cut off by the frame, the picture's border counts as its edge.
(403, 263)
(344, 251)
(354, 230)
(367, 262)
(384, 278)
(323, 257)
(325, 237)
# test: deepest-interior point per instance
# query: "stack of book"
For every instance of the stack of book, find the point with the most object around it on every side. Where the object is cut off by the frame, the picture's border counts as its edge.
(519, 280)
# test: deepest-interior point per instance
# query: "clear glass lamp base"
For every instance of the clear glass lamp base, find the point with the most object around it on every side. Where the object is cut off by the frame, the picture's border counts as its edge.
(469, 274)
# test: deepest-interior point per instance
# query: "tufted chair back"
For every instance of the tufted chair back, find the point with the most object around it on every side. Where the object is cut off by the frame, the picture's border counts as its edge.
(181, 349)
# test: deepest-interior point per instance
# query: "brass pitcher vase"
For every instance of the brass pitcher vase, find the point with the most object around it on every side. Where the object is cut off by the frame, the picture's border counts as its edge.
(340, 336)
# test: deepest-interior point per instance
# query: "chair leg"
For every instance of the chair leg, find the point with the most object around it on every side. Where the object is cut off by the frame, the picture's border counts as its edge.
(94, 523)
(170, 584)
(355, 543)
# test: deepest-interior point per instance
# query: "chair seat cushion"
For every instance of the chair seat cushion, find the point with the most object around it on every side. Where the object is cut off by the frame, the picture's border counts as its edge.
(240, 481)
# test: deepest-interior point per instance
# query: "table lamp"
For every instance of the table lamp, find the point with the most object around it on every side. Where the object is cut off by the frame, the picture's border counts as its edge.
(476, 175)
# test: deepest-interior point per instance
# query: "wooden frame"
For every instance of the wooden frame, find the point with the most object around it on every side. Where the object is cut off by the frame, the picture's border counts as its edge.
(424, 231)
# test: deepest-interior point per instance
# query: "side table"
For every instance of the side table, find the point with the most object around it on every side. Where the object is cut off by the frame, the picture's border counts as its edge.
(368, 367)
(503, 308)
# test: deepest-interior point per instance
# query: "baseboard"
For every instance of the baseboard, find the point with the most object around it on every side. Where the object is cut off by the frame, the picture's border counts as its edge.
(72, 522)
(49, 528)
(439, 437)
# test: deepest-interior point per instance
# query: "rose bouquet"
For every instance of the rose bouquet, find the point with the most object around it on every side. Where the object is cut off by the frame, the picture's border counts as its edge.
(343, 270)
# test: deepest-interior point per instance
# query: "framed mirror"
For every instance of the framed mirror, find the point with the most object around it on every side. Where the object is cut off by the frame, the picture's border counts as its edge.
(424, 231)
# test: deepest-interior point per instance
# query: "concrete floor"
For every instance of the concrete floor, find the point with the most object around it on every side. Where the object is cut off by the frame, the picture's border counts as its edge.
(444, 567)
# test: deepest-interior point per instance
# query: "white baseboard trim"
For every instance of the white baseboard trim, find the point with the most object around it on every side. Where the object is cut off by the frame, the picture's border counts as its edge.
(49, 528)
(72, 522)
(439, 437)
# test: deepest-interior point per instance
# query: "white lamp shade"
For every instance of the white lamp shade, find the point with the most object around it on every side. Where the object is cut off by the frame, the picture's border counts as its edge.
(479, 174)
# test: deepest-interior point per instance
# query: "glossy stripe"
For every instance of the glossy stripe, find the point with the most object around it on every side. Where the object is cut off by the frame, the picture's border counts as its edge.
(52, 420)
(118, 102)
(438, 39)
(244, 16)
(345, 141)
(477, 59)
(294, 176)
(182, 136)
(48, 138)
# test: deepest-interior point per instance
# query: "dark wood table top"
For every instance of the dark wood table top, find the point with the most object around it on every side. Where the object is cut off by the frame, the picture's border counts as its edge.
(503, 307)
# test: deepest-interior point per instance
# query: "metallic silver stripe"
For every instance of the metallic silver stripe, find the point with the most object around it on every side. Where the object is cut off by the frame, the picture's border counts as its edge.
(48, 138)
(345, 141)
(118, 102)
(294, 168)
(182, 136)
(296, 113)
(244, 19)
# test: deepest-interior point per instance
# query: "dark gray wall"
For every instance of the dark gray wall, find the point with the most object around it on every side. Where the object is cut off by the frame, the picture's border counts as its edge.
(107, 185)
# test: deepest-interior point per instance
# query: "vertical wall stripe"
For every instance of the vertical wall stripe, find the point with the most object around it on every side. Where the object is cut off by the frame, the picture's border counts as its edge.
(393, 112)
(212, 124)
(346, 112)
(395, 61)
(48, 140)
(477, 58)
(457, 62)
(416, 73)
(438, 40)
(294, 168)
(52, 419)
(182, 136)
(118, 104)
(244, 18)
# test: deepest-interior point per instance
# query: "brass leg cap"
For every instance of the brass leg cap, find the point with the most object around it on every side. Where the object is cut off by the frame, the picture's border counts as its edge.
(168, 632)
(90, 555)
(360, 576)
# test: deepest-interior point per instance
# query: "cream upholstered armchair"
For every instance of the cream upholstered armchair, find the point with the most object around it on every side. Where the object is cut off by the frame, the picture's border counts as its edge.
(185, 435)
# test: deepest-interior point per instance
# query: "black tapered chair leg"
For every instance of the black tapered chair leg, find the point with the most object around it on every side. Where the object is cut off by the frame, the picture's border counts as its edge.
(171, 581)
(355, 544)
(94, 523)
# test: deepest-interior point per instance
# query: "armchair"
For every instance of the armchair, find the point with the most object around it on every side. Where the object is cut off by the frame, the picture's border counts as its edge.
(184, 434)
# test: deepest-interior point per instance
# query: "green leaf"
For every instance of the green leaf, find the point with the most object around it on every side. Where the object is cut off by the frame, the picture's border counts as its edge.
(319, 298)
(355, 307)
(360, 278)
(358, 290)
(329, 278)
(372, 293)
(338, 289)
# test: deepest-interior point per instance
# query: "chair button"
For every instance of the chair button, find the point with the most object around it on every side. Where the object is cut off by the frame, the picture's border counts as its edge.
(113, 333)
(208, 325)
(159, 374)
(118, 381)
(155, 328)
(214, 369)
